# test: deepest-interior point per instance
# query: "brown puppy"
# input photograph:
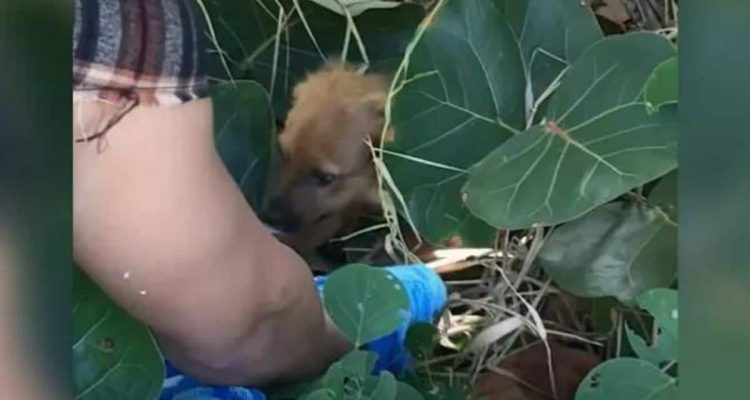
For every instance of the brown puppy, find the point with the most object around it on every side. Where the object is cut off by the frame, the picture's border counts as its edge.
(327, 179)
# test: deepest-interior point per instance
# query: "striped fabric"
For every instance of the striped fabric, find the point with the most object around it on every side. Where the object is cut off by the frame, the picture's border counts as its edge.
(132, 52)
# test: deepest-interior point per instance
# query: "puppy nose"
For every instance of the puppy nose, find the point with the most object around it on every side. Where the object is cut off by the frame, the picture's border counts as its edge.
(280, 216)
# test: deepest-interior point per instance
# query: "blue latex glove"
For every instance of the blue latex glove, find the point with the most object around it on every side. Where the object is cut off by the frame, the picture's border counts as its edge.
(179, 387)
(427, 296)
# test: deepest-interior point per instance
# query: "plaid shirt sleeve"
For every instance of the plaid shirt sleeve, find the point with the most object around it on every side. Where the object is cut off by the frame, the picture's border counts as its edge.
(142, 51)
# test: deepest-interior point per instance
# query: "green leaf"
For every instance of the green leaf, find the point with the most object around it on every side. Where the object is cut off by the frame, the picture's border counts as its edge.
(358, 363)
(386, 387)
(406, 392)
(365, 303)
(420, 340)
(662, 304)
(469, 85)
(114, 356)
(247, 32)
(598, 141)
(668, 392)
(664, 195)
(353, 369)
(662, 87)
(320, 394)
(626, 379)
(244, 131)
(663, 349)
(433, 387)
(355, 7)
(619, 250)
(334, 381)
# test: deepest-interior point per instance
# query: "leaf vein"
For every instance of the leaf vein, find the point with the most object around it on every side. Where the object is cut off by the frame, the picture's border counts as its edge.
(442, 136)
(622, 132)
(525, 176)
(92, 329)
(587, 92)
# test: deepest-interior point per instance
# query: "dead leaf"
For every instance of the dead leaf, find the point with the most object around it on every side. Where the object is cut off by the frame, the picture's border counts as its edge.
(524, 375)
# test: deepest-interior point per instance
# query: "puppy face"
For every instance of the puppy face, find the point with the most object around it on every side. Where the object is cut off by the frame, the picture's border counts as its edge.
(326, 177)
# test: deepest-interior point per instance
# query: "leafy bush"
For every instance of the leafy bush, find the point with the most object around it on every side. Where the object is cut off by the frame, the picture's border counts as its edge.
(508, 115)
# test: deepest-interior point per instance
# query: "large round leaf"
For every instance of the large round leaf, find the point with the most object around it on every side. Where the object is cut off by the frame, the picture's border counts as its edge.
(664, 347)
(619, 250)
(385, 388)
(364, 302)
(244, 131)
(470, 84)
(627, 379)
(661, 303)
(114, 356)
(407, 392)
(663, 86)
(247, 32)
(358, 364)
(598, 141)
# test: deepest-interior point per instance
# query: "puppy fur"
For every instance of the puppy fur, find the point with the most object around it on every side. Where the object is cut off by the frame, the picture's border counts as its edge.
(326, 178)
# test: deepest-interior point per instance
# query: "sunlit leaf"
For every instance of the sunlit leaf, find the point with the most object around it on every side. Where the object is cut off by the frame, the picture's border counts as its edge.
(598, 141)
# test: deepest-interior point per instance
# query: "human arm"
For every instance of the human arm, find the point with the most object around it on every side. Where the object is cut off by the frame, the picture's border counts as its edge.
(161, 226)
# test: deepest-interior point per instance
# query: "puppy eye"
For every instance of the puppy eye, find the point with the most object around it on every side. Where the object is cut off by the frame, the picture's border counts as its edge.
(323, 178)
